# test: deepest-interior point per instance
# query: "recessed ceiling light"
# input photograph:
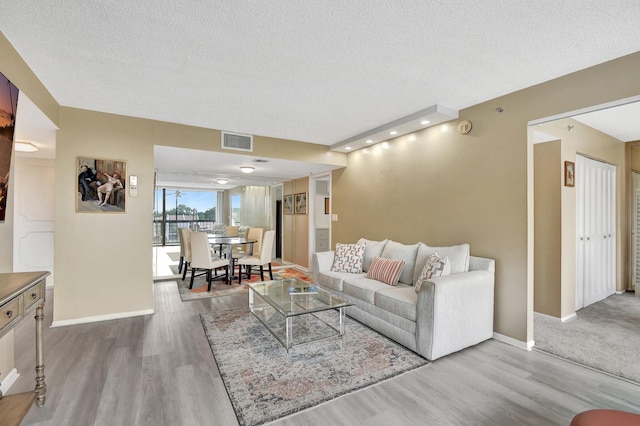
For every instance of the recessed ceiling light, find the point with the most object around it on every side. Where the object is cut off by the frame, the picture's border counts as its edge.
(424, 122)
(222, 181)
(246, 169)
(369, 141)
(348, 148)
(412, 138)
(393, 132)
(25, 147)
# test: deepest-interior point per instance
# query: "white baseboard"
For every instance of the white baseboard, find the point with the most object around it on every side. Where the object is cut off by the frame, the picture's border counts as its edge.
(566, 318)
(9, 380)
(98, 318)
(527, 346)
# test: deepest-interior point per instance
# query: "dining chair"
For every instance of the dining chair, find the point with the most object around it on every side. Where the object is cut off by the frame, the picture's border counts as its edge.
(263, 257)
(186, 236)
(231, 231)
(203, 260)
(253, 234)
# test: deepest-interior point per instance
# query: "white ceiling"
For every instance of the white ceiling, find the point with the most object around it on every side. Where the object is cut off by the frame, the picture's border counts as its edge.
(315, 71)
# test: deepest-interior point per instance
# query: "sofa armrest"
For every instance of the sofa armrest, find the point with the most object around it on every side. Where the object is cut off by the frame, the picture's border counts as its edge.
(321, 261)
(454, 312)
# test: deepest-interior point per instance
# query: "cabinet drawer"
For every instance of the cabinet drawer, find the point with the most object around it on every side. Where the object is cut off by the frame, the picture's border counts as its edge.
(34, 295)
(10, 311)
(322, 234)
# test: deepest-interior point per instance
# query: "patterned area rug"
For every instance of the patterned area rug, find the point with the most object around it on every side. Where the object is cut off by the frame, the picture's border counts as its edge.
(219, 288)
(264, 383)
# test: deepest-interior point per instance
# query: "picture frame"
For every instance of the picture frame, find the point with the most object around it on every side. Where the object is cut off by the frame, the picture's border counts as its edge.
(300, 203)
(287, 204)
(100, 185)
(569, 173)
(326, 205)
(8, 104)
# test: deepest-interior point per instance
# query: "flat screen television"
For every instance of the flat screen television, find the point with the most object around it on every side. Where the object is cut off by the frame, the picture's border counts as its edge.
(8, 106)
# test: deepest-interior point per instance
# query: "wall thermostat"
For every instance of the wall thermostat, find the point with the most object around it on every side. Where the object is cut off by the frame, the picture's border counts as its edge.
(133, 186)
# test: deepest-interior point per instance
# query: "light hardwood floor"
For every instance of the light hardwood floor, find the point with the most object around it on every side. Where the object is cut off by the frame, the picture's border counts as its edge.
(159, 370)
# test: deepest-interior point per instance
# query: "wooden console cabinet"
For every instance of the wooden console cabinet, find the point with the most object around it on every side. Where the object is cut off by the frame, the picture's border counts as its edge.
(21, 293)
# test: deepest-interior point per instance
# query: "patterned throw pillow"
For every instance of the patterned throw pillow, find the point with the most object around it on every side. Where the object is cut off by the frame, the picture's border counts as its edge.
(436, 266)
(348, 258)
(386, 270)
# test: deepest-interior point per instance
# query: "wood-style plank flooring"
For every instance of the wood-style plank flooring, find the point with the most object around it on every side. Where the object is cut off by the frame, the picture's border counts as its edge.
(159, 370)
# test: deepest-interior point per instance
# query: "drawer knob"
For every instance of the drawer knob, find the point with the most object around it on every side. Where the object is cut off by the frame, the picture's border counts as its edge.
(9, 314)
(34, 295)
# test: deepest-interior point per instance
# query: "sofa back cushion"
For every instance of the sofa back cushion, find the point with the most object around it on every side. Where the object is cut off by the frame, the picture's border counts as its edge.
(371, 250)
(348, 258)
(385, 270)
(408, 253)
(458, 257)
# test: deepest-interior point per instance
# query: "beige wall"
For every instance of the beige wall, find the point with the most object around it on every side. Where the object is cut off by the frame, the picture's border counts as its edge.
(296, 227)
(547, 228)
(444, 188)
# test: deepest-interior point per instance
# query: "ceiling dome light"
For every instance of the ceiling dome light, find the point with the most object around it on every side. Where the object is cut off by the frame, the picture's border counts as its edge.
(222, 181)
(424, 122)
(348, 148)
(393, 132)
(369, 140)
(25, 147)
(247, 169)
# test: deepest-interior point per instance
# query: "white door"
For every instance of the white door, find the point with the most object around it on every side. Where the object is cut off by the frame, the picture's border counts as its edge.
(595, 231)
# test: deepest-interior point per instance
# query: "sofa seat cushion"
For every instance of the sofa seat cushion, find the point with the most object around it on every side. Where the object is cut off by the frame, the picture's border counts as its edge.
(400, 300)
(408, 253)
(334, 280)
(363, 288)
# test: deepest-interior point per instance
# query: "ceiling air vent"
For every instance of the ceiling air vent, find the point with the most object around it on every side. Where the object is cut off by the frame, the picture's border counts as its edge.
(237, 141)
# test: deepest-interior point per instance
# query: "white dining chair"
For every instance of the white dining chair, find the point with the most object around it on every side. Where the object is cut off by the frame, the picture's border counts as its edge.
(260, 259)
(203, 260)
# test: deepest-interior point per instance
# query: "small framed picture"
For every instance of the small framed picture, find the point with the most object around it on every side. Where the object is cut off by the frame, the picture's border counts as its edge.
(300, 203)
(288, 204)
(100, 185)
(569, 173)
(326, 205)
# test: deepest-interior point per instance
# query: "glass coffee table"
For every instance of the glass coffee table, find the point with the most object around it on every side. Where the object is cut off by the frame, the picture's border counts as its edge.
(297, 312)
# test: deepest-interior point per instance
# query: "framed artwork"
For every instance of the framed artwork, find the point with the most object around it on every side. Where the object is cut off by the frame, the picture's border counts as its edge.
(288, 204)
(100, 185)
(8, 107)
(300, 201)
(326, 205)
(569, 173)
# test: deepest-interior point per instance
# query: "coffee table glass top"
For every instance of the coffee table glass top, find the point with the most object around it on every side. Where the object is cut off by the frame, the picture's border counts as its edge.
(293, 297)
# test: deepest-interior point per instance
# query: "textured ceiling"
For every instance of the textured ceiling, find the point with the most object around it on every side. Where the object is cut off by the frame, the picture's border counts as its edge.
(316, 71)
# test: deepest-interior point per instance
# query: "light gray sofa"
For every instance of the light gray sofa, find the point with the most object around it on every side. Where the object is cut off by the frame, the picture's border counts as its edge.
(450, 312)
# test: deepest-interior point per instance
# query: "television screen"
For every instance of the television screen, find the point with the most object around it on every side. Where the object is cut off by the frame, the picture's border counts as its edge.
(8, 105)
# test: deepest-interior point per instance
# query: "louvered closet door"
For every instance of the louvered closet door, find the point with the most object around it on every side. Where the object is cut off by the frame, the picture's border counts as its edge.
(595, 226)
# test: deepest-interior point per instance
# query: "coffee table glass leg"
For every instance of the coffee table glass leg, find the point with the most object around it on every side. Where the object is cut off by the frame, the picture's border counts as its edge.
(289, 332)
(341, 321)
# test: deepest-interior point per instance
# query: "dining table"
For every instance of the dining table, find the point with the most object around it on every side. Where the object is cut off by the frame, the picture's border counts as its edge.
(229, 242)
